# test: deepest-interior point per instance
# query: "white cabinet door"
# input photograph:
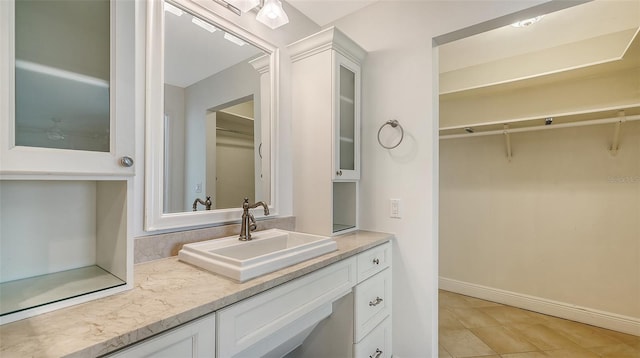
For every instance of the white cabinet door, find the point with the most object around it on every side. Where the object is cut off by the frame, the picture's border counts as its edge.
(346, 125)
(67, 87)
(195, 340)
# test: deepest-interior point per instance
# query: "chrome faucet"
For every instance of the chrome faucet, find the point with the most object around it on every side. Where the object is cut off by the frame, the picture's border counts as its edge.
(207, 203)
(248, 221)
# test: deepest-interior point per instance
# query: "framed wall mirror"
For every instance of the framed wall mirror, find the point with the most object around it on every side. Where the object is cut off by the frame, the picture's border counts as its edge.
(211, 107)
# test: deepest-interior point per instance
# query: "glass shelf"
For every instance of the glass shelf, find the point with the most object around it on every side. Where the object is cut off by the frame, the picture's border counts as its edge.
(36, 291)
(341, 227)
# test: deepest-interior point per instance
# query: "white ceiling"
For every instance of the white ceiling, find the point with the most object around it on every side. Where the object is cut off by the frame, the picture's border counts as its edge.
(566, 26)
(192, 53)
(563, 27)
(323, 12)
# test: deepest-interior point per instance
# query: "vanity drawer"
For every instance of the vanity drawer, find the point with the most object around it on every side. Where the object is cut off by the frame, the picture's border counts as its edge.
(372, 303)
(373, 261)
(376, 344)
(259, 324)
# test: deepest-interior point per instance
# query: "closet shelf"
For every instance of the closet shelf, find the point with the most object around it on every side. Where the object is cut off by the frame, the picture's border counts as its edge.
(568, 121)
(535, 124)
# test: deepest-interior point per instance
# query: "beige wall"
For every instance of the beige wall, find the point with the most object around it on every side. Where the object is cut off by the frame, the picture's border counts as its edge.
(235, 170)
(560, 222)
(174, 143)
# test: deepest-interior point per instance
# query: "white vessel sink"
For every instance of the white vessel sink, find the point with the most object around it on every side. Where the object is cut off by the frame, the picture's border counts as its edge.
(268, 251)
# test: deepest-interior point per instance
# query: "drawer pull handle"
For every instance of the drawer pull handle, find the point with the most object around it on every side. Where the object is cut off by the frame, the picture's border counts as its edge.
(376, 354)
(376, 261)
(375, 302)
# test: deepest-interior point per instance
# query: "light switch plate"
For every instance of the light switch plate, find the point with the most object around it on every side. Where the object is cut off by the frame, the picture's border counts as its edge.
(395, 208)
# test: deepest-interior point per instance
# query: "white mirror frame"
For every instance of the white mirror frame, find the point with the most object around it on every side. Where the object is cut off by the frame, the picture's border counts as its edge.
(155, 219)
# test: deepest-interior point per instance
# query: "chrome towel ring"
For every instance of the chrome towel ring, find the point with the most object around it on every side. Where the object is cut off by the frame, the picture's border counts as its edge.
(393, 123)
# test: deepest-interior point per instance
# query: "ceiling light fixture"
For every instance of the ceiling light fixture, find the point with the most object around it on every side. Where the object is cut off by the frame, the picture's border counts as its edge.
(271, 12)
(527, 22)
(205, 25)
(172, 9)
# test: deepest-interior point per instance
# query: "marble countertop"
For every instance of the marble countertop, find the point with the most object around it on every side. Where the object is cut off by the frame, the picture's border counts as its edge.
(166, 293)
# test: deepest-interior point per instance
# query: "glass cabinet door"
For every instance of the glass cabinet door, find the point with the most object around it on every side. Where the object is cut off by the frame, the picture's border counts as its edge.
(61, 60)
(347, 120)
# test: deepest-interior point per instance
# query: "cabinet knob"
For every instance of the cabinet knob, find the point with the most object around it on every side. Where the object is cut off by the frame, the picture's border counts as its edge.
(377, 354)
(339, 173)
(126, 161)
(376, 302)
(376, 261)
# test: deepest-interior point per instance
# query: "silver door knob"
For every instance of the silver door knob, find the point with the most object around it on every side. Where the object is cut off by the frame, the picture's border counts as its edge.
(126, 161)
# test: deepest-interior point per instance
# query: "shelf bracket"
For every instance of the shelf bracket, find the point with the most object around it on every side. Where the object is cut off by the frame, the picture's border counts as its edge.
(615, 143)
(507, 139)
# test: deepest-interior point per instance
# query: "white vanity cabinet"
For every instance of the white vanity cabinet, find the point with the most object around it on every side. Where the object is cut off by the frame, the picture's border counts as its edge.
(67, 87)
(326, 97)
(342, 310)
(361, 323)
(192, 340)
(372, 304)
(282, 321)
(277, 321)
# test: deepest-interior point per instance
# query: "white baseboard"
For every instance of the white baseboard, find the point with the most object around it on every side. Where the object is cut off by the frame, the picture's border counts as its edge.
(586, 315)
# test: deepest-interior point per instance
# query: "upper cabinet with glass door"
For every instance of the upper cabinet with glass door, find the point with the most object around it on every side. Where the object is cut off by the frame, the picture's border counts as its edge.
(67, 87)
(346, 162)
(341, 66)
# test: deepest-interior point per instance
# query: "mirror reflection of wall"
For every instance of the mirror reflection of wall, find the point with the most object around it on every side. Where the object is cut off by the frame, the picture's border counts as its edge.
(231, 165)
(211, 90)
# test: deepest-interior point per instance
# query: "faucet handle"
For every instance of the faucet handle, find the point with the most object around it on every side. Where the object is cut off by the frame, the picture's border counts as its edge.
(253, 226)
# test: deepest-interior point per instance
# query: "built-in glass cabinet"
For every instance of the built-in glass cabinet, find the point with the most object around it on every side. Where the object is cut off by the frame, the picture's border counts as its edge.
(66, 91)
(326, 131)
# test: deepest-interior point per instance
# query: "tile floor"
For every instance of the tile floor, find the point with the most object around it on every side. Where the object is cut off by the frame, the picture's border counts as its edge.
(471, 327)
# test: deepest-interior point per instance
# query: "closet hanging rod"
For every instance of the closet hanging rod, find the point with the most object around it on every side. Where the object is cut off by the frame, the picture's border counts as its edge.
(540, 128)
